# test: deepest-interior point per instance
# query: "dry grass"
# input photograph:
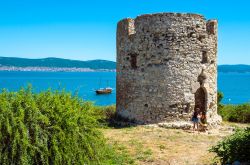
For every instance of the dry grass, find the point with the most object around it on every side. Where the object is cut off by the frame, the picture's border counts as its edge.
(160, 146)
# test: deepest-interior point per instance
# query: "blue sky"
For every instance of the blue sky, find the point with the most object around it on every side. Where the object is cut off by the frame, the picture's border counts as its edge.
(86, 29)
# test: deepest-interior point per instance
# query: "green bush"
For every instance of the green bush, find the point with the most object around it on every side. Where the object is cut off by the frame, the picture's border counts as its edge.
(219, 99)
(220, 96)
(105, 115)
(234, 113)
(50, 128)
(234, 148)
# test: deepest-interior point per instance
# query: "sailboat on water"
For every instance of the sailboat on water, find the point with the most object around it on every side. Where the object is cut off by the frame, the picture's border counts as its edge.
(106, 90)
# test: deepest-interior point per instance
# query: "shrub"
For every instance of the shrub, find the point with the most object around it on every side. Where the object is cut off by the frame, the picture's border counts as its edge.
(50, 128)
(234, 148)
(105, 115)
(234, 113)
(219, 99)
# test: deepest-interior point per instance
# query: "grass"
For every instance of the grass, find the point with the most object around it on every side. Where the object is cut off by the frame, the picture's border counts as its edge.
(153, 145)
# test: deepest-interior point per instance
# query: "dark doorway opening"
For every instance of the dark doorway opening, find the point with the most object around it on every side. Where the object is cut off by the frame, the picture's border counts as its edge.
(200, 100)
(204, 58)
(133, 61)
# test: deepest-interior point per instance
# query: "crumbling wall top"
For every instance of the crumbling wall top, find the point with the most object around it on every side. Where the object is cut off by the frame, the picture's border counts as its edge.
(127, 26)
(171, 15)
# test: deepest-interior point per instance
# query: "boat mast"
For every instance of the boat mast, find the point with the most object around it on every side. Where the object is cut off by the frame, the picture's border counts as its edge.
(100, 83)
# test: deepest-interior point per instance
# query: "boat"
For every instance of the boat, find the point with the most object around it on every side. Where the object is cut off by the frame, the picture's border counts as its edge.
(107, 90)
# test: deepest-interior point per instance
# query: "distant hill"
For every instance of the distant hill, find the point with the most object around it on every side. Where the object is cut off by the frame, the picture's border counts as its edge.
(56, 62)
(92, 64)
(234, 68)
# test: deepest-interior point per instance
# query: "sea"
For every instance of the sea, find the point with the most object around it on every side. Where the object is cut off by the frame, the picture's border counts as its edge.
(235, 86)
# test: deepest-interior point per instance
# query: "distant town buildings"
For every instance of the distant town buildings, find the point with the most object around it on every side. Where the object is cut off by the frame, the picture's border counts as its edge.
(52, 69)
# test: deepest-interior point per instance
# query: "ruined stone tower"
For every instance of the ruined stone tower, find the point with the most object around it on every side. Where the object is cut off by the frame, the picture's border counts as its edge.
(166, 68)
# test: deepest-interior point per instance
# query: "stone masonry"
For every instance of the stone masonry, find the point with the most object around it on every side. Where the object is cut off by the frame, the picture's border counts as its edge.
(167, 67)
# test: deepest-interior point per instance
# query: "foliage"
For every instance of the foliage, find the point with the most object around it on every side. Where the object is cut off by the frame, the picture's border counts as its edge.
(234, 113)
(234, 148)
(220, 96)
(50, 128)
(219, 99)
(105, 115)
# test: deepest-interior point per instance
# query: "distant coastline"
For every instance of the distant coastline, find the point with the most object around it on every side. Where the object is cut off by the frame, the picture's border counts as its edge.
(240, 68)
(55, 65)
(221, 69)
(52, 69)
(67, 65)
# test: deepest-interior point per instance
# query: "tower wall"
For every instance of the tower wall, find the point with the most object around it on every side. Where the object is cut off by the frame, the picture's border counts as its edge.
(163, 60)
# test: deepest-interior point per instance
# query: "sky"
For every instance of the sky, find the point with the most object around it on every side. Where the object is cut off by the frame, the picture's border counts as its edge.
(86, 29)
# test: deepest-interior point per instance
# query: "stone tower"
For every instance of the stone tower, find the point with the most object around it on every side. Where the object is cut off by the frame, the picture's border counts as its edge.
(166, 68)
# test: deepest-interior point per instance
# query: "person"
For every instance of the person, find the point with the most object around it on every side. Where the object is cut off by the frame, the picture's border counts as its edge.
(199, 116)
(203, 118)
(203, 122)
(199, 127)
(195, 119)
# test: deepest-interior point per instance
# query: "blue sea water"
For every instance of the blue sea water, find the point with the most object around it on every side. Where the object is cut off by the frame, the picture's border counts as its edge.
(235, 86)
(84, 83)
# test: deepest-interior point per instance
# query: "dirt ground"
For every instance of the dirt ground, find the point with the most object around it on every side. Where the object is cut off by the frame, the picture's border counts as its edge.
(148, 145)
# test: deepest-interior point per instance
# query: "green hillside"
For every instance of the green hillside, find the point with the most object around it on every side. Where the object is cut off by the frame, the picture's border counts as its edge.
(56, 62)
